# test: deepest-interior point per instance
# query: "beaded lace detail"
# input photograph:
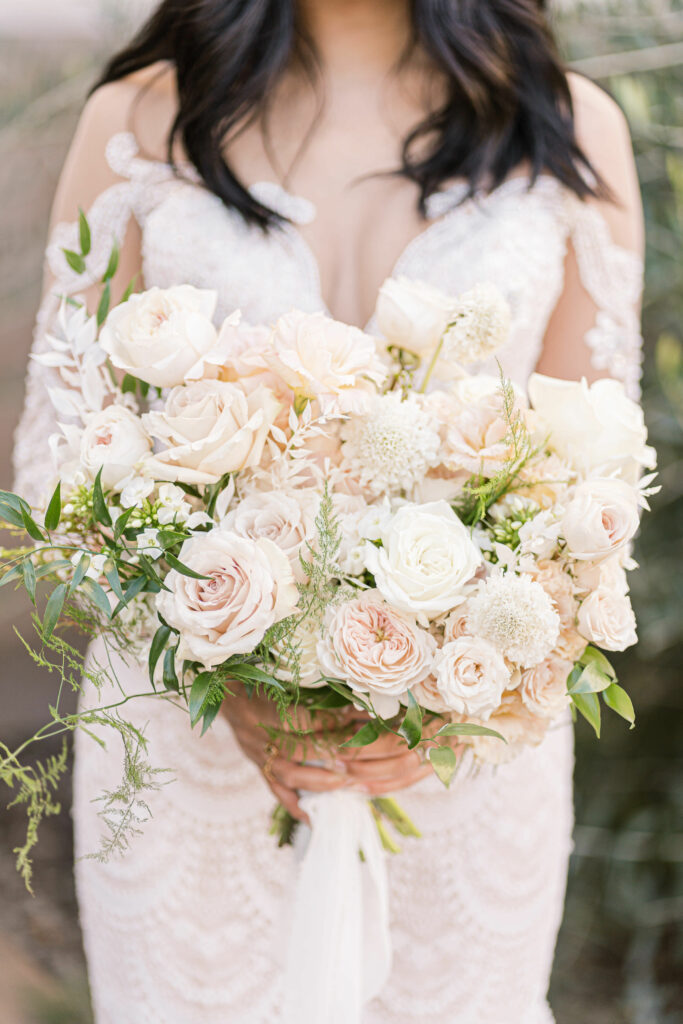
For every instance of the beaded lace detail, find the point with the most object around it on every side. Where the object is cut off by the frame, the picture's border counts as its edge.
(189, 926)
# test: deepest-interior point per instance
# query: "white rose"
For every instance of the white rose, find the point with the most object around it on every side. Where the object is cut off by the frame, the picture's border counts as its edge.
(113, 440)
(286, 519)
(323, 359)
(601, 518)
(426, 559)
(412, 315)
(471, 676)
(249, 588)
(593, 428)
(160, 334)
(210, 428)
(606, 618)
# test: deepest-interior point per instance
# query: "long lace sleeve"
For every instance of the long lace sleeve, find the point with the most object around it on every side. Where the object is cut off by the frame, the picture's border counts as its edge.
(91, 182)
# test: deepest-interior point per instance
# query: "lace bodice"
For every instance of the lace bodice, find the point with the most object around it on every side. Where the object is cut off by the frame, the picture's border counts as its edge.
(187, 927)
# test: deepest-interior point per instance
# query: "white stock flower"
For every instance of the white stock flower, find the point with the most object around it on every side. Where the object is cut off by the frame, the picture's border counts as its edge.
(210, 428)
(249, 588)
(515, 614)
(148, 544)
(158, 335)
(288, 520)
(115, 441)
(471, 676)
(595, 428)
(426, 559)
(606, 618)
(391, 446)
(412, 315)
(135, 491)
(601, 518)
(480, 324)
(173, 505)
(320, 358)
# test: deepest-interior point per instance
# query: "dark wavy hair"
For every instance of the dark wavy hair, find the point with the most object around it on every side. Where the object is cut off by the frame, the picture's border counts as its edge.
(507, 97)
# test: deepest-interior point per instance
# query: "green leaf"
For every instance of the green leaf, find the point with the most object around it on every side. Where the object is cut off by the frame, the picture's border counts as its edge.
(135, 587)
(31, 526)
(365, 736)
(97, 595)
(129, 384)
(589, 706)
(29, 578)
(592, 656)
(79, 575)
(122, 522)
(11, 515)
(183, 569)
(112, 576)
(411, 726)
(75, 261)
(113, 264)
(170, 678)
(99, 505)
(209, 717)
(252, 674)
(15, 573)
(103, 305)
(84, 232)
(54, 509)
(469, 729)
(161, 638)
(14, 501)
(444, 762)
(129, 290)
(590, 680)
(198, 695)
(167, 538)
(616, 698)
(53, 610)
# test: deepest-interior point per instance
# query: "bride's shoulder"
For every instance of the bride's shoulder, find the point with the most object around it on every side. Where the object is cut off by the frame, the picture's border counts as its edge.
(599, 120)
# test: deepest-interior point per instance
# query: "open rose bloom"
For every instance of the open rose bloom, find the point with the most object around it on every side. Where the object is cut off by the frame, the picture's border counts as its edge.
(340, 519)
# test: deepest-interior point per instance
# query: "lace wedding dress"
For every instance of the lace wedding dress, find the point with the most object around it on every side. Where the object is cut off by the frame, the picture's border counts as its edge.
(188, 926)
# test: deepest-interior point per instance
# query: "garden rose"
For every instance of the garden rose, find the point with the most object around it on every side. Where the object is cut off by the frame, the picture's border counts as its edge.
(471, 676)
(516, 724)
(286, 519)
(606, 618)
(210, 428)
(543, 688)
(159, 335)
(249, 588)
(115, 441)
(601, 518)
(426, 559)
(412, 315)
(594, 427)
(320, 358)
(376, 649)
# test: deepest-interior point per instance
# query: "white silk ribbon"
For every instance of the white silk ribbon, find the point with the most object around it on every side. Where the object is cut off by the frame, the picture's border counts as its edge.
(339, 950)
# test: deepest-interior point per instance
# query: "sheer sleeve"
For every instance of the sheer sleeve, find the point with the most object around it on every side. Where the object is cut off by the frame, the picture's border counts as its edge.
(89, 181)
(595, 328)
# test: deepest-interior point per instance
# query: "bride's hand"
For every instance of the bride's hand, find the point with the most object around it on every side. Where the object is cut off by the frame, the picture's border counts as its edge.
(384, 767)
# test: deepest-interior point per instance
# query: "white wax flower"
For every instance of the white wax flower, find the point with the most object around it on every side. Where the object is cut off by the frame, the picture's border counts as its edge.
(515, 614)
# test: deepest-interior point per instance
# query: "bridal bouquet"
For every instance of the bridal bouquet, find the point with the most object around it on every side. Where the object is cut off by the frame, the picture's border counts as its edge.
(330, 518)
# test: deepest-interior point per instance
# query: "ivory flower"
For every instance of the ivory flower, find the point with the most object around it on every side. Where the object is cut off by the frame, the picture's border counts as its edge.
(412, 315)
(285, 519)
(518, 726)
(606, 618)
(160, 334)
(376, 649)
(210, 428)
(543, 688)
(601, 518)
(471, 676)
(115, 441)
(249, 588)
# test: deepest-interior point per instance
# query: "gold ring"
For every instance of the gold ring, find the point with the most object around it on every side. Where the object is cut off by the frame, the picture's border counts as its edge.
(271, 752)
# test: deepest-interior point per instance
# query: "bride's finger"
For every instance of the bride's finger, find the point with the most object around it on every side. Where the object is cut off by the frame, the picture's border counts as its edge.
(298, 776)
(289, 799)
(384, 787)
(386, 767)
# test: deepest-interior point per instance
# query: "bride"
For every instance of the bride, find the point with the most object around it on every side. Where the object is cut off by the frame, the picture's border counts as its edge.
(294, 153)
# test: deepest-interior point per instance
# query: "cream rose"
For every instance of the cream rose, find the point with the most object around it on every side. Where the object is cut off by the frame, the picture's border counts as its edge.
(606, 618)
(516, 724)
(320, 358)
(412, 315)
(160, 334)
(210, 427)
(601, 518)
(594, 427)
(249, 588)
(115, 441)
(426, 559)
(286, 519)
(376, 649)
(471, 676)
(543, 688)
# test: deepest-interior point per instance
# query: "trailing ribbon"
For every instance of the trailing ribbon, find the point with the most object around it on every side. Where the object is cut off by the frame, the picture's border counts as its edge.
(339, 953)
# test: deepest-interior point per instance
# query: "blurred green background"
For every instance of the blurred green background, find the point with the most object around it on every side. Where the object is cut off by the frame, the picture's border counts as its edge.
(620, 954)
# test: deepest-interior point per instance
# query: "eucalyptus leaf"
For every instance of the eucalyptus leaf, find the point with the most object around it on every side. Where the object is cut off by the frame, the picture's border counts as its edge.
(444, 762)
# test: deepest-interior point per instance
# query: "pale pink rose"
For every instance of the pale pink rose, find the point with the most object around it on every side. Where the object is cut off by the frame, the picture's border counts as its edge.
(606, 618)
(471, 676)
(476, 428)
(114, 441)
(570, 644)
(546, 479)
(516, 724)
(559, 586)
(609, 573)
(286, 519)
(323, 359)
(543, 688)
(428, 695)
(375, 649)
(601, 518)
(249, 588)
(210, 428)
